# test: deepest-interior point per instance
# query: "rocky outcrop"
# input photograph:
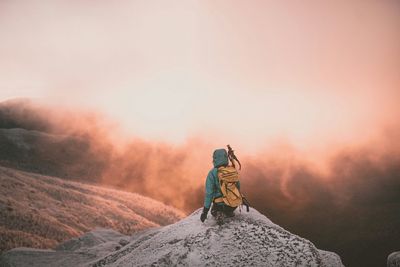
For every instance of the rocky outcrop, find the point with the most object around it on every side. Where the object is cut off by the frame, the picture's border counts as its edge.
(248, 239)
(393, 259)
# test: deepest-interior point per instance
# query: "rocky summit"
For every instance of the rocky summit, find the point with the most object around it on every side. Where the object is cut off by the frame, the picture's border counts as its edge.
(247, 239)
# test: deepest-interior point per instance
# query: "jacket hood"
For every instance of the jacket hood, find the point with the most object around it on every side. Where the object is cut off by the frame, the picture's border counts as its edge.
(220, 158)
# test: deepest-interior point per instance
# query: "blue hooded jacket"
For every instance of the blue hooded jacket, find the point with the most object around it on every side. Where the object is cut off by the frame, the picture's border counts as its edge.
(213, 189)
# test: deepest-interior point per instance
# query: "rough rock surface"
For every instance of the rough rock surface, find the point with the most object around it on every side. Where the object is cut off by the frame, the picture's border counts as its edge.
(393, 259)
(248, 239)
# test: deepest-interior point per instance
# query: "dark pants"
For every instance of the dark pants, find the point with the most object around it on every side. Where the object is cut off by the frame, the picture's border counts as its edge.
(226, 210)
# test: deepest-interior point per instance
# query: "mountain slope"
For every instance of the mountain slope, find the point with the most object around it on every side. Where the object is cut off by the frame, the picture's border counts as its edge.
(42, 211)
(49, 140)
(248, 239)
(63, 156)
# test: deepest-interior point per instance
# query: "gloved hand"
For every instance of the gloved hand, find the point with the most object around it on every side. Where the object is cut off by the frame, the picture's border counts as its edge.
(203, 216)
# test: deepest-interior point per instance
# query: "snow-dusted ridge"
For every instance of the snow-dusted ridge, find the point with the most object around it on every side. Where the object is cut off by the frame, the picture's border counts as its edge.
(248, 239)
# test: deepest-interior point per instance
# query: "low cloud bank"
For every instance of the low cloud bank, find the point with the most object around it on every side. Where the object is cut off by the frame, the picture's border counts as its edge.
(350, 206)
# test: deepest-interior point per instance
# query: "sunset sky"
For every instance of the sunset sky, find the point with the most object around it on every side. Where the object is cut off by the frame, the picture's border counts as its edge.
(141, 92)
(309, 73)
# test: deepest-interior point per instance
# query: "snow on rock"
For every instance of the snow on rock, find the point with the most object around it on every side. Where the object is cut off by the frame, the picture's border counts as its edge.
(393, 259)
(248, 239)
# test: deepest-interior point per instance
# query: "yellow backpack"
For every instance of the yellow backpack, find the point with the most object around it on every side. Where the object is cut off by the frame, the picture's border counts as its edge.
(228, 178)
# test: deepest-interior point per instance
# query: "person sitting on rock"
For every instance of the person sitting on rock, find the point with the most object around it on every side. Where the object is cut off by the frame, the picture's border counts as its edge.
(222, 188)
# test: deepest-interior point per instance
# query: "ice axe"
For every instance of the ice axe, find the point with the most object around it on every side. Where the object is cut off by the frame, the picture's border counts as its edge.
(233, 158)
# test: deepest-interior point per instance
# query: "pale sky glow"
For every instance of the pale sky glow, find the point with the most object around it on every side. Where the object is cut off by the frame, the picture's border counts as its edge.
(168, 70)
